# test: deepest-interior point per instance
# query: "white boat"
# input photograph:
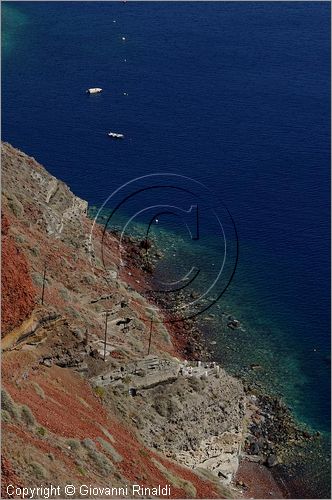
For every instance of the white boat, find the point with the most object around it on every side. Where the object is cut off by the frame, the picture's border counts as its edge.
(114, 135)
(94, 90)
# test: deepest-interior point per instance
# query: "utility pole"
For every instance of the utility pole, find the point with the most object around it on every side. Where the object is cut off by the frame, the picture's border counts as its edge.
(43, 289)
(106, 319)
(150, 337)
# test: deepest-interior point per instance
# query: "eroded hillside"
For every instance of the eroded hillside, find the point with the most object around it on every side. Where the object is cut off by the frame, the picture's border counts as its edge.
(73, 409)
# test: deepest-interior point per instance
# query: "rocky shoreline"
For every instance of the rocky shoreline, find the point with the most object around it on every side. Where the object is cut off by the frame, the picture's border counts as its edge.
(273, 437)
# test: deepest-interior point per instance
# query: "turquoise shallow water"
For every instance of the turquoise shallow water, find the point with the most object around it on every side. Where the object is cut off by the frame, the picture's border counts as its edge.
(13, 20)
(235, 95)
(263, 338)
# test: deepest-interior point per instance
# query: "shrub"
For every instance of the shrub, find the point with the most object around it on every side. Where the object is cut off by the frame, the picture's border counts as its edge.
(41, 431)
(74, 444)
(5, 417)
(16, 207)
(88, 444)
(39, 390)
(81, 470)
(27, 416)
(20, 239)
(165, 335)
(107, 434)
(37, 279)
(109, 449)
(34, 251)
(89, 279)
(161, 407)
(100, 391)
(8, 404)
(38, 470)
(64, 293)
(72, 312)
(104, 465)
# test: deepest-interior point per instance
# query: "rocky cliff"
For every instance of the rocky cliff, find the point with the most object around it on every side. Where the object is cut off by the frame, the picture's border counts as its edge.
(75, 409)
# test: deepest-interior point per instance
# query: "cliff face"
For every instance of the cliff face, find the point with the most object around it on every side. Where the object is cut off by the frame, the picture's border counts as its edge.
(73, 409)
(18, 291)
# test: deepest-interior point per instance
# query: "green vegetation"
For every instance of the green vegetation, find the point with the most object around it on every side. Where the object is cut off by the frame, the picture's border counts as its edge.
(100, 391)
(64, 293)
(41, 431)
(15, 206)
(20, 239)
(74, 444)
(37, 279)
(38, 470)
(34, 251)
(107, 434)
(72, 312)
(81, 470)
(8, 404)
(88, 444)
(104, 465)
(110, 450)
(5, 417)
(89, 279)
(27, 416)
(39, 390)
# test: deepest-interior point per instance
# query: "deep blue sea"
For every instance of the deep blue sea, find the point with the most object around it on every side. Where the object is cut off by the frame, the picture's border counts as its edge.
(233, 94)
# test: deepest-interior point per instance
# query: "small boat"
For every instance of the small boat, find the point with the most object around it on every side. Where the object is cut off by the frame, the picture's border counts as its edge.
(114, 135)
(94, 90)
